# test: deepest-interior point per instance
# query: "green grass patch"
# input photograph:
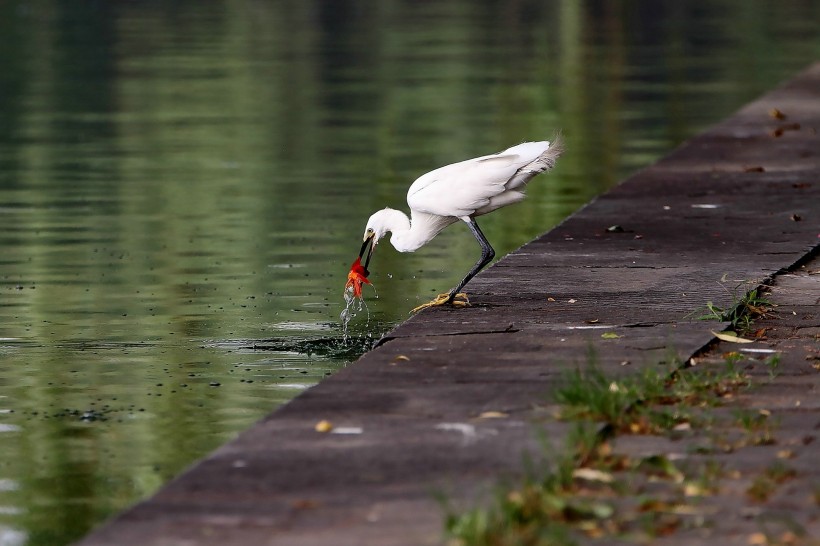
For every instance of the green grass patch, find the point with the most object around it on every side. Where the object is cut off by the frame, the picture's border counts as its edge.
(574, 494)
(766, 484)
(652, 402)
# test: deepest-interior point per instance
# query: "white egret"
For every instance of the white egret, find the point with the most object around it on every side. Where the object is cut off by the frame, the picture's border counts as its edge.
(461, 191)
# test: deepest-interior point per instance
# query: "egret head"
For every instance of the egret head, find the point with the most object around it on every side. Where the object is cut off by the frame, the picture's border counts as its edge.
(375, 229)
(381, 222)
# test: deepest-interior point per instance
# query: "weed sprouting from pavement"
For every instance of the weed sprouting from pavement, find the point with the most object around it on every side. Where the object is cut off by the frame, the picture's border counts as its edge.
(650, 402)
(766, 483)
(743, 309)
(773, 363)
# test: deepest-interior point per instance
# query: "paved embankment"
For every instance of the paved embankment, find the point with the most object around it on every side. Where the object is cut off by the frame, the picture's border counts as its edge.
(740, 202)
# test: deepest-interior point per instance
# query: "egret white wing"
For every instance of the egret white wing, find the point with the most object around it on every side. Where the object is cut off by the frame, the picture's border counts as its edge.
(474, 186)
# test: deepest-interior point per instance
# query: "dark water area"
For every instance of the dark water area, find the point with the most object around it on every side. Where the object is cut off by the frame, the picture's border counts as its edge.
(183, 186)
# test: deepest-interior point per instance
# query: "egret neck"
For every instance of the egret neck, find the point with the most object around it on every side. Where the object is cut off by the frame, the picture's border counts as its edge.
(406, 235)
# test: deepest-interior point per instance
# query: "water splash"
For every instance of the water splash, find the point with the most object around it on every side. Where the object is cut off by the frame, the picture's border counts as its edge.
(353, 306)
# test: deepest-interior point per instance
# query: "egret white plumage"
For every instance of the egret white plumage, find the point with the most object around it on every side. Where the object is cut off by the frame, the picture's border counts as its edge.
(461, 191)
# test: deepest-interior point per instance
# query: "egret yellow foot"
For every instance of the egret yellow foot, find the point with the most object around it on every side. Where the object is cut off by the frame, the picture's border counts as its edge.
(460, 300)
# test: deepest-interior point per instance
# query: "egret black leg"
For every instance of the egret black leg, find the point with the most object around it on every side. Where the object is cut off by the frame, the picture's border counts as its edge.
(487, 255)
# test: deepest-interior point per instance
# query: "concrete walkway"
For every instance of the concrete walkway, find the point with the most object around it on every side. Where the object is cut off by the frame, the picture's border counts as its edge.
(740, 202)
(772, 426)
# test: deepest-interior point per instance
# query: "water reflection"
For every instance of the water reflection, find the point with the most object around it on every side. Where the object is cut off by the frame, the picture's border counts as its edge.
(183, 187)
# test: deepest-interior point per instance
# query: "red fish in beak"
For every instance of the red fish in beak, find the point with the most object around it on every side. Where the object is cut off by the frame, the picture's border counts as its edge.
(358, 273)
(356, 277)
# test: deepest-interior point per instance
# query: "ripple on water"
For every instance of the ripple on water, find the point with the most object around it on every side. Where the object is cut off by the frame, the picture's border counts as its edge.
(330, 346)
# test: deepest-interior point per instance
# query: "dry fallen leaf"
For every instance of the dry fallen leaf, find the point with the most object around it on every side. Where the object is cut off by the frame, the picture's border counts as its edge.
(777, 114)
(591, 529)
(515, 497)
(731, 337)
(592, 475)
(757, 539)
(778, 132)
(692, 489)
(687, 510)
(550, 299)
(492, 415)
(400, 358)
(323, 426)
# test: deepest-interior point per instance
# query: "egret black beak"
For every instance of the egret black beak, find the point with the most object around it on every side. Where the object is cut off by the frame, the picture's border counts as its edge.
(369, 246)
